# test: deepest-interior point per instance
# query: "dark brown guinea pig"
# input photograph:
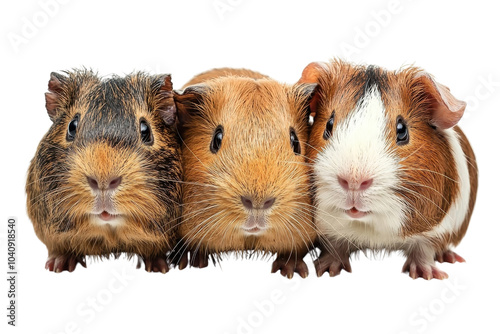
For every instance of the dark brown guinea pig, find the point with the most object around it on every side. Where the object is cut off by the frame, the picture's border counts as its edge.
(246, 180)
(105, 177)
(392, 171)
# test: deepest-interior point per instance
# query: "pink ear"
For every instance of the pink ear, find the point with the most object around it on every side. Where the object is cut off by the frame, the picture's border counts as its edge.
(447, 110)
(312, 72)
(52, 98)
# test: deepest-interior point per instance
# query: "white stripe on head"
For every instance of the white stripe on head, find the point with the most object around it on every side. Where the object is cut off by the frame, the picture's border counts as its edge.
(359, 148)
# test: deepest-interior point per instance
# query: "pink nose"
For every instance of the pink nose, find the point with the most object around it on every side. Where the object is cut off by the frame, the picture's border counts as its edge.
(350, 184)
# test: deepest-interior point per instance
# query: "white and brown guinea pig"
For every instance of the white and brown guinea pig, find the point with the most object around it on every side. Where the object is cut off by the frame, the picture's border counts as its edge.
(246, 181)
(391, 169)
(105, 177)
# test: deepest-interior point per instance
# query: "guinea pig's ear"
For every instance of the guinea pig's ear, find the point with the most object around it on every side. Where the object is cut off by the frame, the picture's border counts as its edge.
(313, 72)
(307, 92)
(447, 110)
(188, 100)
(311, 75)
(53, 97)
(166, 107)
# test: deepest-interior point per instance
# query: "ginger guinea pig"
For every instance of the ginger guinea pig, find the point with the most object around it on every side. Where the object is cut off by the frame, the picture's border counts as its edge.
(391, 169)
(246, 181)
(105, 177)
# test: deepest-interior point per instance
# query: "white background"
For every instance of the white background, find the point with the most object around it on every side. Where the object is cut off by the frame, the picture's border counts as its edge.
(457, 41)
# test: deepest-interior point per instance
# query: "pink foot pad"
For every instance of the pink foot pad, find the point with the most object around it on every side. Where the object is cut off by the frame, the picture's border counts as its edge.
(424, 270)
(449, 256)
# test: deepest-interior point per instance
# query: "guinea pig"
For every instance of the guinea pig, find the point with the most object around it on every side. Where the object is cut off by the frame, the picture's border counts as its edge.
(105, 177)
(246, 184)
(392, 172)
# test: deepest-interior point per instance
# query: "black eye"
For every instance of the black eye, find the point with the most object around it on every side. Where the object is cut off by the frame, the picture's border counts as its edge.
(217, 139)
(402, 135)
(70, 135)
(146, 136)
(294, 141)
(329, 127)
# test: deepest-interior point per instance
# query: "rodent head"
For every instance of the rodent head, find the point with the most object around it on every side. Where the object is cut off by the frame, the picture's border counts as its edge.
(380, 142)
(246, 177)
(111, 155)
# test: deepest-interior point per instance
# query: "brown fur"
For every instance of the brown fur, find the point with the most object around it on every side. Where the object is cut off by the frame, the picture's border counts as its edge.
(429, 174)
(224, 72)
(255, 159)
(59, 199)
(455, 238)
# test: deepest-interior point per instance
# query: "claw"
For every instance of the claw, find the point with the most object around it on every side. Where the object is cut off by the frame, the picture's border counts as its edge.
(449, 256)
(156, 264)
(331, 263)
(60, 263)
(199, 260)
(301, 269)
(183, 262)
(425, 270)
(289, 265)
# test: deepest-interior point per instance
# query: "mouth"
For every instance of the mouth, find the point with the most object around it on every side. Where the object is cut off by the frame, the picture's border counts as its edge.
(106, 216)
(355, 213)
(255, 224)
(253, 231)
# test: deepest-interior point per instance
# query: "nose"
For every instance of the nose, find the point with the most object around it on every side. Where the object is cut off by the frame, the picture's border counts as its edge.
(110, 184)
(350, 184)
(250, 203)
(268, 203)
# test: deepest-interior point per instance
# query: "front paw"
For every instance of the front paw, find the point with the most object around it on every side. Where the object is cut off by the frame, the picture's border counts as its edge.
(288, 265)
(156, 264)
(423, 269)
(199, 260)
(60, 263)
(182, 260)
(448, 256)
(333, 264)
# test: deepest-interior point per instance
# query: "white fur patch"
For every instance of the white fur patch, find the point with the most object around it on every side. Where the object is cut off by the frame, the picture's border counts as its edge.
(458, 210)
(359, 148)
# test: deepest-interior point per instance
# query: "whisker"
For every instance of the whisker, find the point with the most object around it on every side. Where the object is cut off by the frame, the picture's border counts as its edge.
(430, 171)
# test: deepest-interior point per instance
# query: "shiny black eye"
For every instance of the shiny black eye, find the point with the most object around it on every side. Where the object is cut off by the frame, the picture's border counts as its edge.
(294, 141)
(70, 135)
(146, 136)
(217, 139)
(329, 127)
(402, 135)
